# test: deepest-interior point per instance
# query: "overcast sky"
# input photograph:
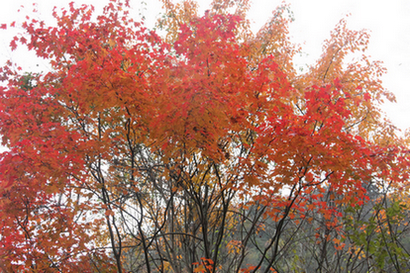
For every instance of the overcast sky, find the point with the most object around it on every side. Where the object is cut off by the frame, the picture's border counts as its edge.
(389, 23)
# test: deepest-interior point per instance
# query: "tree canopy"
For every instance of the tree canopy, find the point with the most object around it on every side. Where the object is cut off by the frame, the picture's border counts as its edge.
(197, 147)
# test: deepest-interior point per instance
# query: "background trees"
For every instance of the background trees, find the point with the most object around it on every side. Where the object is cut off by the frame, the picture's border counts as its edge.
(200, 151)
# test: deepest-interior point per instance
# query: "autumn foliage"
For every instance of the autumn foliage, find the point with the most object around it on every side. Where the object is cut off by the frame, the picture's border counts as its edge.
(199, 149)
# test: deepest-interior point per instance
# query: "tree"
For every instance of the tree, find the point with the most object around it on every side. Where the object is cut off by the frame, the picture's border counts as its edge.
(200, 151)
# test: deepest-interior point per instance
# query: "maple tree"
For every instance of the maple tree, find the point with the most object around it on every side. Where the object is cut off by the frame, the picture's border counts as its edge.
(200, 151)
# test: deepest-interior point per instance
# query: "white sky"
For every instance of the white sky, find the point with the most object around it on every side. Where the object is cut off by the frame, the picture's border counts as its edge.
(388, 21)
